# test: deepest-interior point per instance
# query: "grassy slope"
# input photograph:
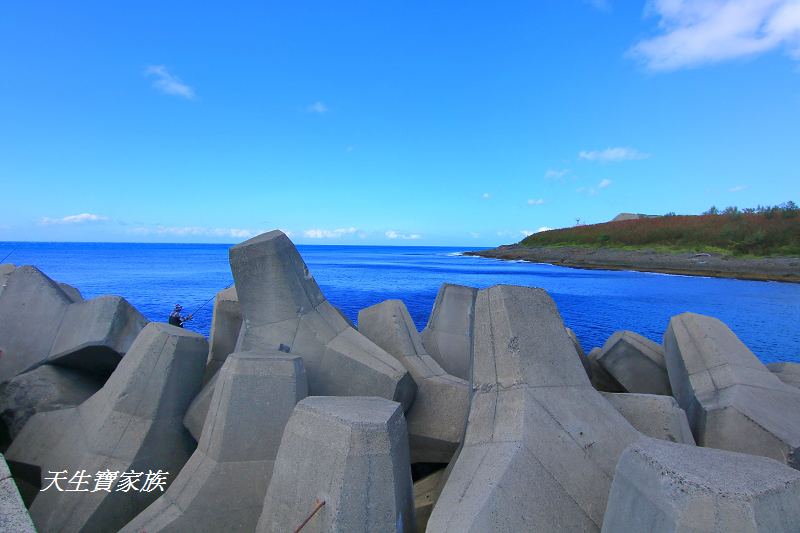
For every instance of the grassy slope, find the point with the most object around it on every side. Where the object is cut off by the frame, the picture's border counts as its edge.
(754, 234)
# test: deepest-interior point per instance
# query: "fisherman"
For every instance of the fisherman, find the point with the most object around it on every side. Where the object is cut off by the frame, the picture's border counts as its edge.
(175, 317)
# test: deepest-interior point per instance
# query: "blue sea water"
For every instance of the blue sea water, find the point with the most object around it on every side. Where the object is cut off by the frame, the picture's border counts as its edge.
(595, 303)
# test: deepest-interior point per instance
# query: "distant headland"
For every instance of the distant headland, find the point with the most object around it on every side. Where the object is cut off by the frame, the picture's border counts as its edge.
(761, 243)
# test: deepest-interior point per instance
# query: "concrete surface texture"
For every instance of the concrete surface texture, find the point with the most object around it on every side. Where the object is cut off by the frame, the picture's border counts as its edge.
(448, 334)
(636, 363)
(14, 518)
(599, 376)
(360, 469)
(437, 418)
(132, 424)
(40, 323)
(46, 388)
(789, 373)
(663, 487)
(541, 443)
(226, 323)
(579, 349)
(222, 486)
(284, 309)
(731, 400)
(426, 491)
(659, 417)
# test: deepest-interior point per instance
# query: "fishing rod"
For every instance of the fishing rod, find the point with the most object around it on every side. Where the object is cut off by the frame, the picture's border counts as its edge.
(14, 249)
(207, 301)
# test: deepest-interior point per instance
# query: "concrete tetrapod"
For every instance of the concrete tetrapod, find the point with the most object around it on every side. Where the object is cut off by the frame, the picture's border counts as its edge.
(541, 443)
(656, 416)
(789, 373)
(222, 486)
(283, 309)
(731, 400)
(636, 363)
(132, 424)
(599, 376)
(437, 418)
(46, 388)
(40, 323)
(225, 326)
(448, 335)
(350, 453)
(663, 487)
(14, 518)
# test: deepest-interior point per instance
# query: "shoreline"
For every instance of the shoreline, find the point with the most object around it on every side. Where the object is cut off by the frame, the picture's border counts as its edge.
(783, 269)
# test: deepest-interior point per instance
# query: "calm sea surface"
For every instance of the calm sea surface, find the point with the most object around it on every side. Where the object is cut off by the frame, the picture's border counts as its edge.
(595, 303)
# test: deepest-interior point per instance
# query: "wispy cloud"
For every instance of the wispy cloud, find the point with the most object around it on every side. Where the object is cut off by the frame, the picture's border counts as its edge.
(602, 5)
(317, 107)
(528, 233)
(486, 196)
(391, 234)
(737, 188)
(338, 233)
(697, 32)
(592, 191)
(556, 174)
(610, 155)
(535, 201)
(168, 83)
(73, 219)
(199, 231)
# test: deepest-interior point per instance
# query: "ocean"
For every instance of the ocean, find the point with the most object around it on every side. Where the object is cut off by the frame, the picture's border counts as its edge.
(595, 303)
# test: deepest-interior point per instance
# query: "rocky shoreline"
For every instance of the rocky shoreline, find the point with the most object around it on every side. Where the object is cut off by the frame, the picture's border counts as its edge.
(785, 269)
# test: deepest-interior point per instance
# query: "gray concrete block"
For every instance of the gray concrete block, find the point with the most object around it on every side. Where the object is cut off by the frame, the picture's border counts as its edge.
(437, 418)
(599, 376)
(196, 414)
(46, 388)
(789, 373)
(39, 323)
(581, 353)
(5, 270)
(31, 308)
(636, 363)
(284, 309)
(360, 468)
(426, 492)
(448, 335)
(73, 293)
(659, 417)
(132, 424)
(14, 518)
(541, 443)
(731, 400)
(95, 334)
(222, 486)
(225, 326)
(662, 487)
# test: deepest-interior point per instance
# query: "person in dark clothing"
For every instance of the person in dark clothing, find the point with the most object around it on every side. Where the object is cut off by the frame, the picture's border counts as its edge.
(175, 317)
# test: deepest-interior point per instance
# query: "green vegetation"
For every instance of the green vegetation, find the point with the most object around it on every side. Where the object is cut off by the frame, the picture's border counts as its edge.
(760, 231)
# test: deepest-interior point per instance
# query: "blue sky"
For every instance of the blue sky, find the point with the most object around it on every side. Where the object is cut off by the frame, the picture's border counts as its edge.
(427, 123)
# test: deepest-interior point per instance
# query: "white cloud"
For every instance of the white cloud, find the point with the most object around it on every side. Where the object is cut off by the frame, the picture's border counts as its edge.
(592, 191)
(474, 234)
(329, 233)
(317, 107)
(391, 234)
(74, 219)
(168, 83)
(528, 233)
(535, 201)
(697, 32)
(622, 153)
(486, 196)
(737, 188)
(199, 231)
(555, 174)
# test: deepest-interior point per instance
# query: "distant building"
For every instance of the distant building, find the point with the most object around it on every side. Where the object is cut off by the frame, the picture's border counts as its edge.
(632, 216)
